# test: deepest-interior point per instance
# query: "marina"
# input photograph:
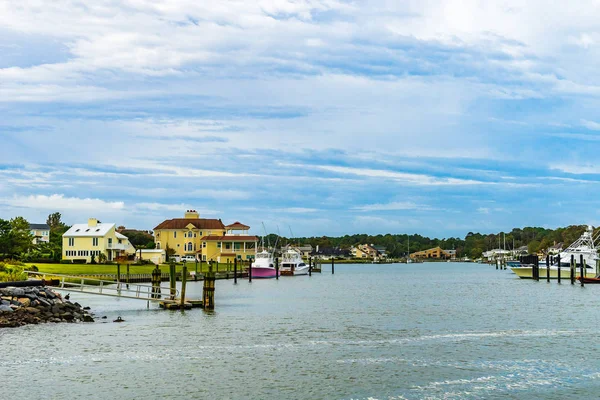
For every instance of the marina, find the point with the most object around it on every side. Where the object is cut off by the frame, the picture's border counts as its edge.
(432, 330)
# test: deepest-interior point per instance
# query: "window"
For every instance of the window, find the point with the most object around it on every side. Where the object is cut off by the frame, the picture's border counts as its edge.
(203, 257)
(227, 246)
(237, 246)
(94, 241)
(190, 246)
(203, 245)
(174, 235)
(158, 245)
(71, 242)
(218, 245)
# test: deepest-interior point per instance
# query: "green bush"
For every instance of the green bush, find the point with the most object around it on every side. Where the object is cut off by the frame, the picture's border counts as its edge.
(66, 262)
(11, 273)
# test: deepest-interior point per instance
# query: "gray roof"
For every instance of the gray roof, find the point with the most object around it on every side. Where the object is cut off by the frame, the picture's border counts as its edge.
(39, 227)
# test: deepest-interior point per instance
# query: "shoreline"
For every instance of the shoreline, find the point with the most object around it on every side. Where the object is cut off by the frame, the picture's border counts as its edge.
(20, 306)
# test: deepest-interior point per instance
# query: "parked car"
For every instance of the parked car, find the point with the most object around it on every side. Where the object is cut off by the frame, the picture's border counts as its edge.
(188, 259)
(175, 258)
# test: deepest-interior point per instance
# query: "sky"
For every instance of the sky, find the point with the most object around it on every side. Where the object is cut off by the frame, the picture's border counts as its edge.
(319, 117)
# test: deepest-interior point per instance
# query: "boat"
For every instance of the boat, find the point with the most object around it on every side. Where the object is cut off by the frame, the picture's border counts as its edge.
(584, 246)
(292, 263)
(263, 265)
(409, 260)
(589, 280)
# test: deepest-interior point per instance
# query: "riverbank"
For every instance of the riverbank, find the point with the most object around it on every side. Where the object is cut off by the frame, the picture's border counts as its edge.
(34, 305)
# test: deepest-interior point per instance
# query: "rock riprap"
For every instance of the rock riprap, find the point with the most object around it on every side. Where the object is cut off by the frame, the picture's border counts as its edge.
(33, 305)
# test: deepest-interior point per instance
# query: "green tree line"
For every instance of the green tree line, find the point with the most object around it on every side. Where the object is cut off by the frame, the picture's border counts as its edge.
(472, 245)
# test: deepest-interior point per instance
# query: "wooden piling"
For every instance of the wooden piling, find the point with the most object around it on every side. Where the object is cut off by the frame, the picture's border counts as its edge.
(196, 271)
(172, 280)
(118, 273)
(208, 291)
(536, 267)
(309, 267)
(558, 266)
(183, 283)
(572, 269)
(332, 265)
(235, 271)
(581, 268)
(497, 260)
(547, 268)
(249, 274)
(276, 267)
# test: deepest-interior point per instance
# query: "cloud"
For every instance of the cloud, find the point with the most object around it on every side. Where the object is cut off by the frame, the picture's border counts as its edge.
(595, 126)
(60, 202)
(577, 169)
(393, 206)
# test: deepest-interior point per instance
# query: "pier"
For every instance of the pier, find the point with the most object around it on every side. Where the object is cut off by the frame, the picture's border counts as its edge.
(166, 297)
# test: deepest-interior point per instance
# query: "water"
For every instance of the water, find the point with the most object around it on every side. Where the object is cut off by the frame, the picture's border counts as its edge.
(420, 331)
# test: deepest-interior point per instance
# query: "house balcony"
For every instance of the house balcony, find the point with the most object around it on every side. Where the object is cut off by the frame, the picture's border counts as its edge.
(115, 246)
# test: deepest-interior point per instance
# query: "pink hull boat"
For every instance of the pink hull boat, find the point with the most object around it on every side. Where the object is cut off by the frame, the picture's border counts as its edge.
(263, 272)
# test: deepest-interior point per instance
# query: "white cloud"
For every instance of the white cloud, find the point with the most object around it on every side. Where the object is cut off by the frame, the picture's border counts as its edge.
(595, 126)
(393, 206)
(577, 169)
(60, 202)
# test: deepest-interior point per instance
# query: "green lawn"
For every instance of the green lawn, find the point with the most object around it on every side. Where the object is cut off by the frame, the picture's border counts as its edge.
(95, 269)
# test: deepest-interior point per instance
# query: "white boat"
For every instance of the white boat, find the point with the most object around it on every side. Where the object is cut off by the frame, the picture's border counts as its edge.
(263, 265)
(292, 263)
(584, 246)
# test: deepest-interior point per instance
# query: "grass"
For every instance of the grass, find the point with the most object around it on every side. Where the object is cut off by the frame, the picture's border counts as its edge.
(97, 269)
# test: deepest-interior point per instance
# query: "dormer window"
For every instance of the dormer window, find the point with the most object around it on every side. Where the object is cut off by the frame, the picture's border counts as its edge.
(76, 230)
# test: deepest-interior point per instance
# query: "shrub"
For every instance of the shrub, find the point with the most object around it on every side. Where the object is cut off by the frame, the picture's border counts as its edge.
(66, 262)
(12, 273)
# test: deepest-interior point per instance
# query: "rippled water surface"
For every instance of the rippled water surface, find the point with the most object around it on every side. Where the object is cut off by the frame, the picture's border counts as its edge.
(420, 331)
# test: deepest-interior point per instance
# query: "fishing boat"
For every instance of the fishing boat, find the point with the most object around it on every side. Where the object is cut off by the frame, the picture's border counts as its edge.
(292, 263)
(263, 265)
(584, 246)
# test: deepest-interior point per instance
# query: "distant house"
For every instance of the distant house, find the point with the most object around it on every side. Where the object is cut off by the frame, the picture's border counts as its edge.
(435, 252)
(495, 253)
(452, 254)
(557, 248)
(82, 241)
(305, 250)
(369, 251)
(327, 253)
(521, 251)
(40, 233)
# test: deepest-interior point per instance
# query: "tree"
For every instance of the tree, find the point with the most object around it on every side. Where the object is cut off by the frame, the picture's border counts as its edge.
(54, 221)
(57, 229)
(533, 247)
(21, 239)
(169, 252)
(4, 237)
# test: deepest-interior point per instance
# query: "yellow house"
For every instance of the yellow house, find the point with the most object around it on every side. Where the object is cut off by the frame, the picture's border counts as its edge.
(435, 252)
(236, 243)
(82, 241)
(184, 235)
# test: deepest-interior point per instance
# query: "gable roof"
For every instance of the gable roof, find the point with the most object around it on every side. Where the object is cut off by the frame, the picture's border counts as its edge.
(39, 227)
(84, 230)
(199, 223)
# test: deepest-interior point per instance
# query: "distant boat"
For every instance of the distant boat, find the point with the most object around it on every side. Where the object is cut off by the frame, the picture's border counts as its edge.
(292, 263)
